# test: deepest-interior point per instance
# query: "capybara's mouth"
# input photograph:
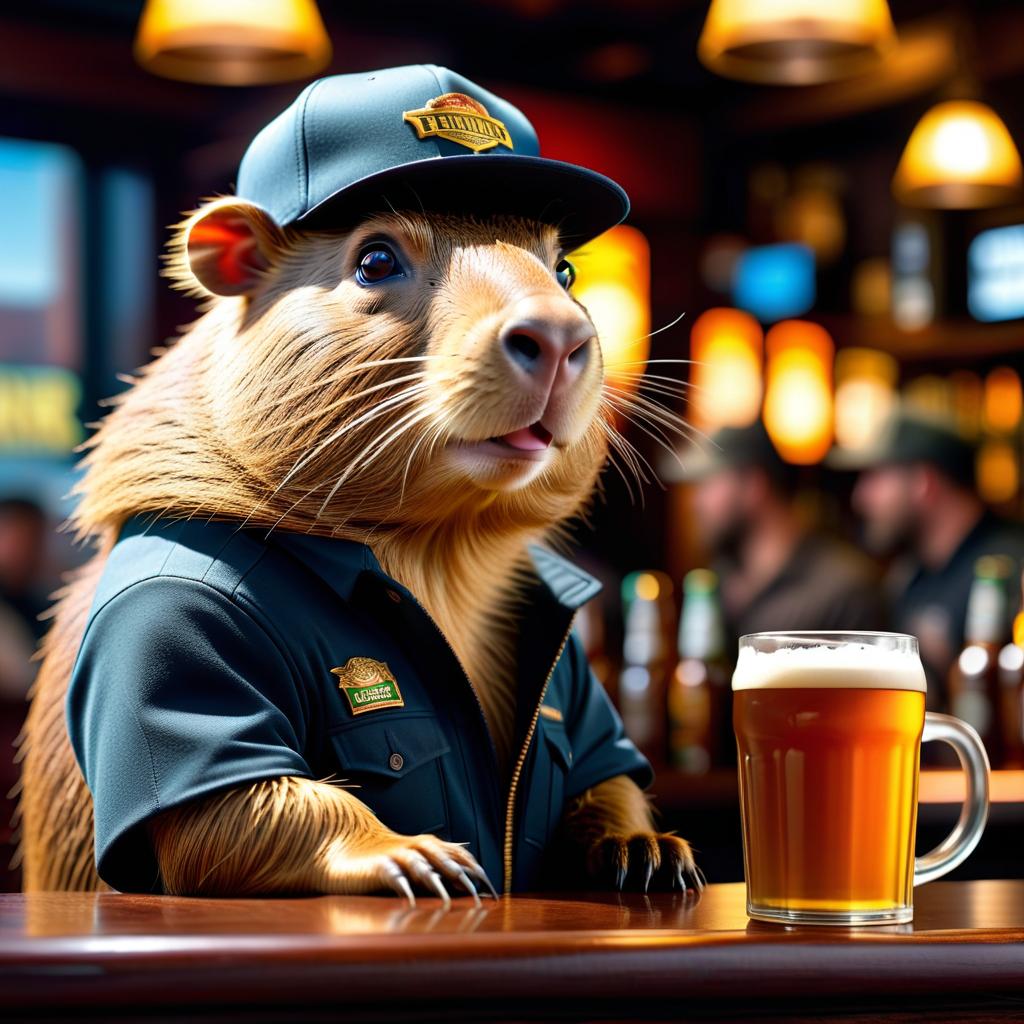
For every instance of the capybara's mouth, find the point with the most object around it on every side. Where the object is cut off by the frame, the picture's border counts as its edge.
(534, 438)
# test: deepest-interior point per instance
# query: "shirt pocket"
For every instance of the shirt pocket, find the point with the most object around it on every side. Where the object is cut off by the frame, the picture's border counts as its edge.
(552, 759)
(397, 763)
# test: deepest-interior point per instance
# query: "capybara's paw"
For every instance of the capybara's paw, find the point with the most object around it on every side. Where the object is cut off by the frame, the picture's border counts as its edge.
(405, 864)
(644, 860)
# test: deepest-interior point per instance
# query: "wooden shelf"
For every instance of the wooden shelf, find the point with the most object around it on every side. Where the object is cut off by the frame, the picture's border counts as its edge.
(675, 789)
(953, 341)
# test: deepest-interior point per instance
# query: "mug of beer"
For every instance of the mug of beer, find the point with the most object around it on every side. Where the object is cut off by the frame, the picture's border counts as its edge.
(829, 729)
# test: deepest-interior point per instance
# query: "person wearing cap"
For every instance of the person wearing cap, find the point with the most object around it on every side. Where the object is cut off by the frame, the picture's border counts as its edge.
(213, 652)
(916, 496)
(777, 572)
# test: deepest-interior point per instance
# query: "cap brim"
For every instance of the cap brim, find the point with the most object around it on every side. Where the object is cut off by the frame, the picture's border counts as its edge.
(581, 203)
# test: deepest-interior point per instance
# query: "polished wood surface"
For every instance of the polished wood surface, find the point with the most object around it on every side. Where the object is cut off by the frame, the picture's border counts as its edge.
(631, 955)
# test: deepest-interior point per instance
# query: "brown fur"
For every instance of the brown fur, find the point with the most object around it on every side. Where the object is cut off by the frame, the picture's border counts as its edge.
(282, 406)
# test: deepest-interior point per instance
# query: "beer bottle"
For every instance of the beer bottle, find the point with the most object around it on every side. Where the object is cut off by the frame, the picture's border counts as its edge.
(1011, 694)
(699, 722)
(646, 661)
(974, 678)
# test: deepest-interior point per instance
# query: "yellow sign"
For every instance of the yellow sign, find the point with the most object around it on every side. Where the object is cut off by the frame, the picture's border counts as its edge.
(368, 685)
(38, 407)
(459, 118)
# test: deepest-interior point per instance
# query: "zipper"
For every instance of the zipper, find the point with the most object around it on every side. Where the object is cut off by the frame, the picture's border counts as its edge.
(518, 770)
(462, 668)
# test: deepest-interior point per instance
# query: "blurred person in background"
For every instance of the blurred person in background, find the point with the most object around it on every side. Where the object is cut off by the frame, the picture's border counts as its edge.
(776, 571)
(916, 496)
(23, 530)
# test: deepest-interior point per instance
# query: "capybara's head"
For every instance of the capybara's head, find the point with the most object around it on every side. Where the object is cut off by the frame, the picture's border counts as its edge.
(414, 367)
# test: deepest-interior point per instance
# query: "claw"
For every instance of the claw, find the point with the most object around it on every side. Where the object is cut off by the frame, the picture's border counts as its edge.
(433, 879)
(401, 885)
(620, 878)
(481, 876)
(468, 885)
(648, 872)
(679, 880)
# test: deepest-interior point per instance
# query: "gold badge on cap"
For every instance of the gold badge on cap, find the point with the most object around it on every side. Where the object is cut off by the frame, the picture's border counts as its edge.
(368, 685)
(459, 118)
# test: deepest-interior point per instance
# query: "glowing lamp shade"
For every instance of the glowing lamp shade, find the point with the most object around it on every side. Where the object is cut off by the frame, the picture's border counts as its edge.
(798, 395)
(960, 156)
(794, 42)
(1003, 400)
(726, 346)
(232, 42)
(613, 281)
(865, 396)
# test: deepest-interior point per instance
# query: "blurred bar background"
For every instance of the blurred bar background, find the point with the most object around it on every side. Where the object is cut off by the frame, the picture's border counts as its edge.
(827, 233)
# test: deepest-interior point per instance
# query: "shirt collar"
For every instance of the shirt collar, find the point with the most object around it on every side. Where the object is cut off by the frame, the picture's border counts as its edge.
(341, 563)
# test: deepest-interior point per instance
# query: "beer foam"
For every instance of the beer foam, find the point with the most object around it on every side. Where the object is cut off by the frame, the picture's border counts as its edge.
(852, 666)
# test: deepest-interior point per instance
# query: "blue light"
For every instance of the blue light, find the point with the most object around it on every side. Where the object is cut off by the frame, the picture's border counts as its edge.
(995, 274)
(36, 185)
(775, 282)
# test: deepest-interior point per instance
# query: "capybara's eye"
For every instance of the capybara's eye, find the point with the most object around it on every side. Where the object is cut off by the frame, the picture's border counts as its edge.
(377, 263)
(566, 273)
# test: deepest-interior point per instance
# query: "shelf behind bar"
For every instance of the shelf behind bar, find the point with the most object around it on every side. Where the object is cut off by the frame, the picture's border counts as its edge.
(676, 789)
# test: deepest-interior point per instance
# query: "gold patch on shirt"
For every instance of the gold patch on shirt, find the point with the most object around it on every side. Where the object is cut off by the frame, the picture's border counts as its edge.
(368, 685)
(551, 712)
(459, 118)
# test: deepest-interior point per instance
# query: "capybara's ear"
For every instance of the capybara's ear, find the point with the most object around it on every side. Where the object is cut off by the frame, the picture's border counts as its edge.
(223, 248)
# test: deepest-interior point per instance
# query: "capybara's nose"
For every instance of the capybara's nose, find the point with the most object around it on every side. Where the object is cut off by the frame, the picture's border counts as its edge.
(547, 341)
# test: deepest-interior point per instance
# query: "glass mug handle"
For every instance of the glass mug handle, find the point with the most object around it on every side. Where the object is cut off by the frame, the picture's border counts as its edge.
(957, 846)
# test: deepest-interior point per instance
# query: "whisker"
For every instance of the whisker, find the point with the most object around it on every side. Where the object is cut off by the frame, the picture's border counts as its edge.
(344, 400)
(654, 413)
(415, 416)
(348, 370)
(653, 387)
(404, 396)
(667, 327)
(659, 437)
(614, 450)
(636, 451)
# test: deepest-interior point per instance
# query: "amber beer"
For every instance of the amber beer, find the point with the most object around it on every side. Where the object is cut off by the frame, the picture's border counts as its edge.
(829, 737)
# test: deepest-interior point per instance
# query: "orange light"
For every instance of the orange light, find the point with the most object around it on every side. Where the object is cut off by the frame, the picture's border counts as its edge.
(726, 347)
(960, 156)
(1003, 400)
(232, 42)
(613, 282)
(998, 471)
(865, 396)
(794, 42)
(798, 398)
(871, 288)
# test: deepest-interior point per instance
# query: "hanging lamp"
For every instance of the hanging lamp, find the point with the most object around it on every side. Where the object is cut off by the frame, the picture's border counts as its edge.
(232, 42)
(959, 156)
(794, 42)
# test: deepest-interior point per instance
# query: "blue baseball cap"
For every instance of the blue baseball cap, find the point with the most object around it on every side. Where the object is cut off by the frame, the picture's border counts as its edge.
(416, 137)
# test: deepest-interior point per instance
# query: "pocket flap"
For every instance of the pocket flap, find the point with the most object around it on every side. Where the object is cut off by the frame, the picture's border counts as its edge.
(558, 742)
(391, 746)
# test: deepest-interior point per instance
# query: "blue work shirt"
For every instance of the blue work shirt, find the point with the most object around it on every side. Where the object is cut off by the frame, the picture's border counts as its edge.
(207, 663)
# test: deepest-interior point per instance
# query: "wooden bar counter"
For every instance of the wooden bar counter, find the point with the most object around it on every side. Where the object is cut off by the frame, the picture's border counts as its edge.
(573, 957)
